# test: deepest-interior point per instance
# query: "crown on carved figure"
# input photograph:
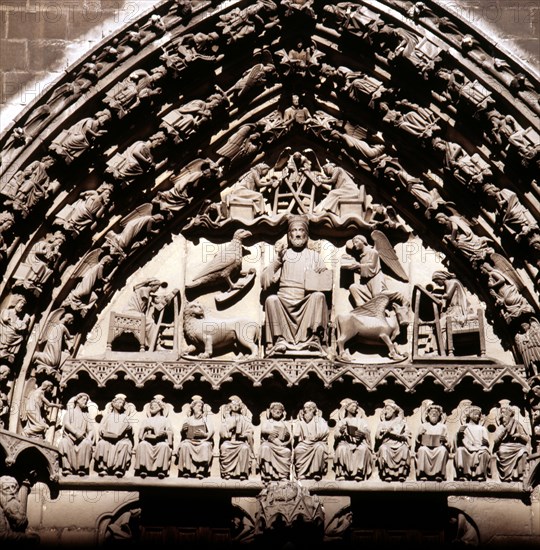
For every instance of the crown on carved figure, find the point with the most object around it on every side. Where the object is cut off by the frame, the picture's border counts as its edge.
(298, 221)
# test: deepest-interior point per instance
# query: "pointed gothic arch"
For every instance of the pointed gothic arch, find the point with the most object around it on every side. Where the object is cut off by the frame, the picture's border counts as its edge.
(134, 153)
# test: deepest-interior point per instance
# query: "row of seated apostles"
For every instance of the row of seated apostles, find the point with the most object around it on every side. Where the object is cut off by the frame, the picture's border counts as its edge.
(298, 448)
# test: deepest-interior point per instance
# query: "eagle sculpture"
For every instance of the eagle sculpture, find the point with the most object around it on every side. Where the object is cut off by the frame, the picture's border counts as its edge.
(226, 263)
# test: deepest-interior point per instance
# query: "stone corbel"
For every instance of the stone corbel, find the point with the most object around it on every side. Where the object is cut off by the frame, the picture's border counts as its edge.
(15, 445)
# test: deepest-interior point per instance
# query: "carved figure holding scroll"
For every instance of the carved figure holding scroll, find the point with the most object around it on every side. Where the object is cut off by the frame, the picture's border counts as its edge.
(511, 213)
(472, 458)
(136, 160)
(392, 444)
(154, 451)
(236, 440)
(40, 263)
(275, 450)
(71, 143)
(86, 210)
(75, 445)
(14, 325)
(353, 457)
(432, 445)
(195, 449)
(30, 185)
(115, 444)
(138, 87)
(310, 436)
(511, 444)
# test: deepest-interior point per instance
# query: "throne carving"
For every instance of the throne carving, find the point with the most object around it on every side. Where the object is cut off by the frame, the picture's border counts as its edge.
(127, 323)
(439, 337)
(472, 328)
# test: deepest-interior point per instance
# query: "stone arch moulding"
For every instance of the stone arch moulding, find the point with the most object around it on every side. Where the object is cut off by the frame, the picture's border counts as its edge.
(177, 152)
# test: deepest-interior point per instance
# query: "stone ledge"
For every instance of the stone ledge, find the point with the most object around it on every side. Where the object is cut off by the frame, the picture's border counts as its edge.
(465, 488)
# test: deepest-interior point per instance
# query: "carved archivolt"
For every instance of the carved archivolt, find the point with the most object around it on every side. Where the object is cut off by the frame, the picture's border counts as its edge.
(215, 192)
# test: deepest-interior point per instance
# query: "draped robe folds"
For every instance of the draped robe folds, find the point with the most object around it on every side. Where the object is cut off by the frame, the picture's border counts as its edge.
(142, 301)
(431, 461)
(154, 455)
(53, 355)
(40, 262)
(514, 215)
(466, 240)
(293, 313)
(393, 454)
(343, 188)
(13, 327)
(76, 444)
(195, 455)
(131, 231)
(275, 453)
(83, 296)
(418, 122)
(472, 456)
(372, 280)
(113, 450)
(136, 159)
(245, 192)
(311, 451)
(511, 450)
(235, 449)
(35, 425)
(512, 303)
(79, 136)
(353, 457)
(86, 210)
(456, 304)
(33, 187)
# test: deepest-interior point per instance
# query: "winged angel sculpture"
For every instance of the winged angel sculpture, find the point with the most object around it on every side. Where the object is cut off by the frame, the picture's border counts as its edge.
(380, 313)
